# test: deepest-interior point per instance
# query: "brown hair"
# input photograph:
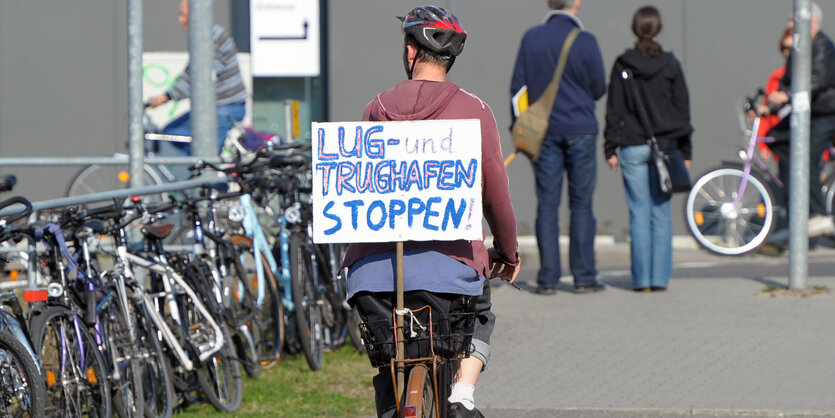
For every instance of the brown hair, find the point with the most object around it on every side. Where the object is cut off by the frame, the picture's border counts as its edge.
(646, 24)
(787, 34)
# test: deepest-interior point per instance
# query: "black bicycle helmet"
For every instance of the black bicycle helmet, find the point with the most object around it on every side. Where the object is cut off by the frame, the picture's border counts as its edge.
(436, 30)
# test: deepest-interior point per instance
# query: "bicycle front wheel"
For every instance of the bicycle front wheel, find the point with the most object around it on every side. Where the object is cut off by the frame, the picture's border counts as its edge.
(727, 219)
(22, 392)
(77, 382)
(307, 308)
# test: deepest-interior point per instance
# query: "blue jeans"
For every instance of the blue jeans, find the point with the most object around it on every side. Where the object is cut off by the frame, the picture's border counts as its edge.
(576, 155)
(182, 125)
(650, 227)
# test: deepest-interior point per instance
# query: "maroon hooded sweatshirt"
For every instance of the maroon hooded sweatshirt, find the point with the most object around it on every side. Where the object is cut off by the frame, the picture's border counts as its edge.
(424, 100)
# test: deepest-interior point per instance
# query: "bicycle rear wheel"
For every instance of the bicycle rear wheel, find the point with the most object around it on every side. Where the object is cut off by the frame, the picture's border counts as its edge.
(725, 222)
(22, 392)
(98, 178)
(220, 379)
(419, 399)
(307, 308)
(269, 316)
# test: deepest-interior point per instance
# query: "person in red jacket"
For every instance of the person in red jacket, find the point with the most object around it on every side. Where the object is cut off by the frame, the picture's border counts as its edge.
(433, 39)
(772, 85)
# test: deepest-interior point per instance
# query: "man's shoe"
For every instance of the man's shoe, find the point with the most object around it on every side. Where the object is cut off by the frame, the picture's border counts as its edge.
(458, 409)
(545, 290)
(821, 225)
(595, 286)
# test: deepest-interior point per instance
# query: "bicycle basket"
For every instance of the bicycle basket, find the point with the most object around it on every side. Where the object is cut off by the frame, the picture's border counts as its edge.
(449, 331)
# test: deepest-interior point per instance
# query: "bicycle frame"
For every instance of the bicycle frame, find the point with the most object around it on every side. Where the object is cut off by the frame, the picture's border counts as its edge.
(260, 247)
(159, 265)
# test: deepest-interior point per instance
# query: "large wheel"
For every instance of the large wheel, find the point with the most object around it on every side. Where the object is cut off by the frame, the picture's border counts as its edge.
(268, 321)
(419, 398)
(121, 355)
(220, 379)
(74, 387)
(22, 392)
(156, 374)
(307, 308)
(725, 222)
(829, 195)
(98, 178)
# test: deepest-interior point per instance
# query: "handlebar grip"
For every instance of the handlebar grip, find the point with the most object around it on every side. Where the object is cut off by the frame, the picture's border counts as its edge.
(281, 161)
(89, 307)
(27, 207)
(7, 183)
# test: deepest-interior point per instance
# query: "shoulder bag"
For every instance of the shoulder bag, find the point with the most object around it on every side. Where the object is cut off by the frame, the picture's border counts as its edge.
(531, 126)
(669, 167)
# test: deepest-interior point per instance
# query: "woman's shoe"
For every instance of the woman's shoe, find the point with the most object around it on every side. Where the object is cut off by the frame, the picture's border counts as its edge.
(642, 289)
(658, 289)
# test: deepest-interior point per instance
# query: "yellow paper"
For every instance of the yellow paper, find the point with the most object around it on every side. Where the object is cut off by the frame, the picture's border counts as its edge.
(520, 101)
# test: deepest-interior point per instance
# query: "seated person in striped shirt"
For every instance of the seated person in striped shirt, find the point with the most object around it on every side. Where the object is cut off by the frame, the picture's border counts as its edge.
(229, 87)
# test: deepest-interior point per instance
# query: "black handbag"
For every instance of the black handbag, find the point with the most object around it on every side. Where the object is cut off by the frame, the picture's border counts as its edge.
(667, 162)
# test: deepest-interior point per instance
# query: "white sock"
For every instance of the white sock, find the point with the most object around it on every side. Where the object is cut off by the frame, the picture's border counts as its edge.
(463, 392)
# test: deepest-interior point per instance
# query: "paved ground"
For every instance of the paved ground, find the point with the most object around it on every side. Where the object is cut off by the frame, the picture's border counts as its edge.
(709, 346)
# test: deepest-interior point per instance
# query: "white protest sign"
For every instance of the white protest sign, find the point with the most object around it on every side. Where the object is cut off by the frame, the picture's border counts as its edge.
(397, 181)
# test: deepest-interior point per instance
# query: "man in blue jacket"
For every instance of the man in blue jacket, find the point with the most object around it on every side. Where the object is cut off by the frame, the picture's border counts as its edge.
(570, 143)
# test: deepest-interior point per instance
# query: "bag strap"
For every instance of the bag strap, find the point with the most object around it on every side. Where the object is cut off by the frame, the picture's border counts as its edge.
(639, 106)
(550, 93)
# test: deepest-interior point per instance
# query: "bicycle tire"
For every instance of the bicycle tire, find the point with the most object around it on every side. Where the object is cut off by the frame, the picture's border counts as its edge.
(829, 195)
(716, 224)
(46, 329)
(220, 379)
(21, 385)
(98, 178)
(306, 306)
(127, 394)
(269, 318)
(418, 400)
(156, 374)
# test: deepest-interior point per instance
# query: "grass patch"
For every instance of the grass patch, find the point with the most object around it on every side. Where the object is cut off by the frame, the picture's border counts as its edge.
(779, 292)
(290, 389)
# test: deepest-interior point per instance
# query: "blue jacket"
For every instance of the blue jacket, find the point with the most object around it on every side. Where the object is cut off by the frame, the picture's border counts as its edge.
(583, 82)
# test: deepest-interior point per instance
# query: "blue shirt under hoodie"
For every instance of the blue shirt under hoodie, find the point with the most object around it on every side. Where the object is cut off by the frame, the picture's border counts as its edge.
(584, 79)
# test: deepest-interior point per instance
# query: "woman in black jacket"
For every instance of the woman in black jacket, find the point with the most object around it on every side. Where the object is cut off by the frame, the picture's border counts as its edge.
(659, 80)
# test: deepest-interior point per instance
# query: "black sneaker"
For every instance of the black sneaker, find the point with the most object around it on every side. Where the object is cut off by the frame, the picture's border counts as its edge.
(545, 290)
(594, 286)
(458, 409)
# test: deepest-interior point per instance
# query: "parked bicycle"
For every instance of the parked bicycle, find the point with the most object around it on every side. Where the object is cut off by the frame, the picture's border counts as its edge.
(22, 391)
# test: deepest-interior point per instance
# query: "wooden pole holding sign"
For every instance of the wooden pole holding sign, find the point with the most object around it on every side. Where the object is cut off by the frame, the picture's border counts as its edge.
(401, 344)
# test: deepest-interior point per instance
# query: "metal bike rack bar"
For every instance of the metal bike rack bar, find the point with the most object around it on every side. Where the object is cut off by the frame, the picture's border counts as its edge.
(116, 194)
(116, 159)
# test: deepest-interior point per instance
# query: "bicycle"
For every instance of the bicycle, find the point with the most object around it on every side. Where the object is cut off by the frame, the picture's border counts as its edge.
(22, 390)
(435, 330)
(286, 262)
(731, 209)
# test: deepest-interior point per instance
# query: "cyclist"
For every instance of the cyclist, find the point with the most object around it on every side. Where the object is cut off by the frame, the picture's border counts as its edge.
(229, 87)
(822, 124)
(433, 39)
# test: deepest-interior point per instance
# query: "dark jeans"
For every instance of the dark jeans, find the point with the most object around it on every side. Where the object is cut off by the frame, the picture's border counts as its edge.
(822, 130)
(576, 156)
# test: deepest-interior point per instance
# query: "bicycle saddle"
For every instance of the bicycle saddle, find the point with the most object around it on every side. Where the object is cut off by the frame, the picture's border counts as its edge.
(157, 230)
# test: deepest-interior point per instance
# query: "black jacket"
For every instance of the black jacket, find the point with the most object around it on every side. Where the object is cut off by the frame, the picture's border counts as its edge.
(660, 81)
(823, 76)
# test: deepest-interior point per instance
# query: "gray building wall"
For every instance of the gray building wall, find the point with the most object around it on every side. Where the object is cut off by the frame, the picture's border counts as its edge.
(63, 73)
(728, 48)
